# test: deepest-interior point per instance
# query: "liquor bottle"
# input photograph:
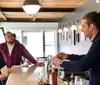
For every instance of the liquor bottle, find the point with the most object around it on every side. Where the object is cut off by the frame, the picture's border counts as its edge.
(51, 73)
(71, 79)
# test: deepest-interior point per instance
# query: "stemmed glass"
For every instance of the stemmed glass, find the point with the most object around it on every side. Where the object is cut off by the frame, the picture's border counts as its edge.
(61, 73)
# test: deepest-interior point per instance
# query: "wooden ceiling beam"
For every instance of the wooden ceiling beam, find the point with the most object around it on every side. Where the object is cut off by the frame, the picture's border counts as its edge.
(31, 20)
(3, 15)
(41, 10)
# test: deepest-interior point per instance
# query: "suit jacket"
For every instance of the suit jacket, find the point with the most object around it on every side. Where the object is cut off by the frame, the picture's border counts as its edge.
(90, 61)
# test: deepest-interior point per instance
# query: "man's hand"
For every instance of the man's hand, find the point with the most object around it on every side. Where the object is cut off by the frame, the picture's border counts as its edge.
(10, 70)
(56, 61)
(40, 64)
(2, 77)
(62, 55)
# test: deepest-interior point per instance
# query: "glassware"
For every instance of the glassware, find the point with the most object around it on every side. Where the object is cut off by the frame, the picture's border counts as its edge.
(71, 79)
(44, 76)
(82, 81)
(61, 73)
(77, 80)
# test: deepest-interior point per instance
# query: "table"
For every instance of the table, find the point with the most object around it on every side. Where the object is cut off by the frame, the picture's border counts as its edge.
(24, 75)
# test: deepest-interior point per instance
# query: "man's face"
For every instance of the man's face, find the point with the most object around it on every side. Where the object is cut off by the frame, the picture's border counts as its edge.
(9, 37)
(86, 29)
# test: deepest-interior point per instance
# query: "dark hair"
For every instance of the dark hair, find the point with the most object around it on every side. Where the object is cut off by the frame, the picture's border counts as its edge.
(93, 18)
(14, 35)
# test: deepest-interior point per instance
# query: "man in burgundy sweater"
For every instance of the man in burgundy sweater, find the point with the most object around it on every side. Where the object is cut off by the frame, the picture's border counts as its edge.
(14, 51)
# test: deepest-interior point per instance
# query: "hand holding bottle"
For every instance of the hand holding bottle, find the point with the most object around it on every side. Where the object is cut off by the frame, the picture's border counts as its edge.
(62, 55)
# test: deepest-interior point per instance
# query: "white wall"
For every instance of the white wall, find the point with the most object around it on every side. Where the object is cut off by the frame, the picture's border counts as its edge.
(28, 26)
(79, 48)
(17, 27)
(82, 47)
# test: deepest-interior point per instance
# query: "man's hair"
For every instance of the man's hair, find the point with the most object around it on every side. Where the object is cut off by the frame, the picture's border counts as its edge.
(14, 35)
(8, 33)
(93, 18)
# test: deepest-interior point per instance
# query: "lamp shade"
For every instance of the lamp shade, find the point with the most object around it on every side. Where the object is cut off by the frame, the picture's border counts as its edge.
(73, 27)
(31, 6)
(65, 29)
(60, 30)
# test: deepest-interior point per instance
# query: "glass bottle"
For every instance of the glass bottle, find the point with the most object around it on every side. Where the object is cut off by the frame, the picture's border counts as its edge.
(71, 79)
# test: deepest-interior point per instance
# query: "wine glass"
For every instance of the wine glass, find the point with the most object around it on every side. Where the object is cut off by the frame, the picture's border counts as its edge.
(61, 73)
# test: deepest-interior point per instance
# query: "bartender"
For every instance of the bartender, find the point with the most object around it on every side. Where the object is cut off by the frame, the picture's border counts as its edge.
(91, 61)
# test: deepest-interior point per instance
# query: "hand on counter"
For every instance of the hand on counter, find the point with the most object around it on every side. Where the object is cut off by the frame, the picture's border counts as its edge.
(2, 77)
(10, 70)
(40, 64)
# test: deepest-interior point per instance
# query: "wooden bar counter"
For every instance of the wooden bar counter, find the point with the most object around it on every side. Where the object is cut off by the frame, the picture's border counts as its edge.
(24, 75)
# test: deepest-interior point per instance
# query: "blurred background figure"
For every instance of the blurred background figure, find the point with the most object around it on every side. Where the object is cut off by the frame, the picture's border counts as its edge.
(15, 38)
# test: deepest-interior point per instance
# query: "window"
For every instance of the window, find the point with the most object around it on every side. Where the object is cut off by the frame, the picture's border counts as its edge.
(50, 43)
(2, 39)
(39, 43)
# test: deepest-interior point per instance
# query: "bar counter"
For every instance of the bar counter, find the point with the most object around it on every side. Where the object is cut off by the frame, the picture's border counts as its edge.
(29, 76)
(24, 75)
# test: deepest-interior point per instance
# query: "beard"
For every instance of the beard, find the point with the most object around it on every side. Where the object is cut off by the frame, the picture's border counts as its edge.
(12, 42)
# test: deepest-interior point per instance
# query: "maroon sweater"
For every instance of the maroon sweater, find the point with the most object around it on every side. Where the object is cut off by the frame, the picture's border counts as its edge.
(18, 51)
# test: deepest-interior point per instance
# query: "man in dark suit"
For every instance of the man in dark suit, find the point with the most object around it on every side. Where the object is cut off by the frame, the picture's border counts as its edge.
(91, 61)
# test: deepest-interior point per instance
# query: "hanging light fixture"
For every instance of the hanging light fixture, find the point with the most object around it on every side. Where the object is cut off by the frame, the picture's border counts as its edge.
(60, 30)
(73, 27)
(31, 6)
(65, 29)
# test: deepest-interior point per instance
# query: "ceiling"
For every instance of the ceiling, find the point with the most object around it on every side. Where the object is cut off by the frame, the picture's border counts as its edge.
(51, 10)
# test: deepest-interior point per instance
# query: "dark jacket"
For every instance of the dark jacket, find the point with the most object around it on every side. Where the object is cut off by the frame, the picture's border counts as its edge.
(2, 62)
(90, 61)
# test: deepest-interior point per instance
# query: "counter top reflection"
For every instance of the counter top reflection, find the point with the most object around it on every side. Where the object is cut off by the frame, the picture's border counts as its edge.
(24, 75)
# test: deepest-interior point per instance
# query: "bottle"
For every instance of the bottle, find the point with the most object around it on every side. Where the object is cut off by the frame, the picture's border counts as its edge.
(53, 75)
(54, 78)
(71, 79)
